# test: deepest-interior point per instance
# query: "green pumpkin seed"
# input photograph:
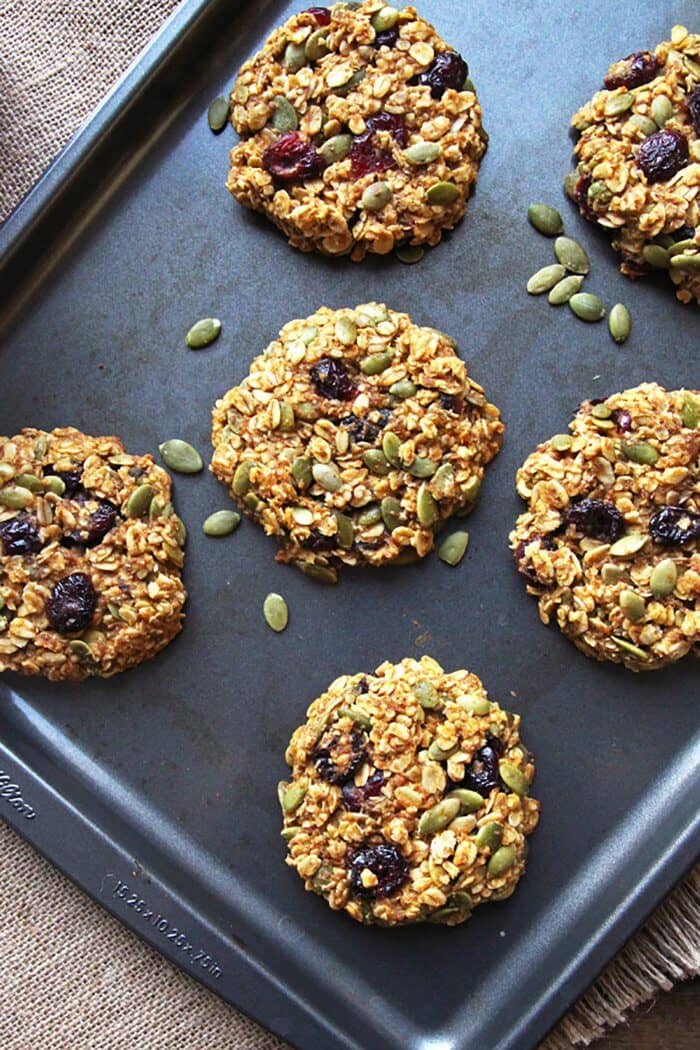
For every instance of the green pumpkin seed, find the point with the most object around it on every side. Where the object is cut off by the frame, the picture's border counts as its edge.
(422, 467)
(513, 778)
(289, 833)
(438, 817)
(587, 307)
(221, 523)
(391, 513)
(376, 461)
(292, 796)
(570, 184)
(563, 290)
(421, 153)
(678, 247)
(29, 481)
(302, 515)
(180, 456)
(561, 442)
(474, 705)
(384, 19)
(618, 104)
(453, 548)
(6, 472)
(426, 508)
(403, 388)
(632, 605)
(442, 194)
(501, 861)
(627, 647)
(346, 331)
(376, 196)
(655, 256)
(640, 452)
(275, 612)
(301, 471)
(345, 89)
(294, 57)
(687, 263)
(52, 483)
(628, 545)
(81, 650)
(371, 516)
(358, 715)
(374, 364)
(598, 191)
(139, 501)
(620, 323)
(316, 46)
(545, 219)
(602, 411)
(409, 254)
(690, 412)
(335, 148)
(390, 447)
(645, 124)
(545, 279)
(438, 754)
(15, 497)
(241, 477)
(346, 530)
(203, 333)
(427, 695)
(661, 110)
(217, 114)
(471, 489)
(571, 255)
(489, 835)
(320, 573)
(327, 476)
(284, 117)
(663, 578)
(469, 801)
(287, 420)
(612, 573)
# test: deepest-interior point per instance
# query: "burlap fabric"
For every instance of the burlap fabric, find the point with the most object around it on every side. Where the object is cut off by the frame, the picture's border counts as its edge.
(73, 977)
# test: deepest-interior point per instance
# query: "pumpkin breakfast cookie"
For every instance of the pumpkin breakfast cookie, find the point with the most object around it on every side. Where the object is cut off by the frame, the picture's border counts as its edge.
(360, 130)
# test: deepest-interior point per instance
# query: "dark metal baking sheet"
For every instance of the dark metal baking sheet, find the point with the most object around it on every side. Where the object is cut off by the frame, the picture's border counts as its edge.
(155, 791)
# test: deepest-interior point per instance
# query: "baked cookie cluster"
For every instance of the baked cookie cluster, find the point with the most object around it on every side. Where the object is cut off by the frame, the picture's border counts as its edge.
(90, 556)
(355, 435)
(409, 796)
(638, 158)
(610, 542)
(360, 130)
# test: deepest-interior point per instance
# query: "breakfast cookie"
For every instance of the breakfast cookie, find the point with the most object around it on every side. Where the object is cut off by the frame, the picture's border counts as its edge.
(610, 543)
(90, 556)
(639, 161)
(354, 436)
(360, 131)
(408, 800)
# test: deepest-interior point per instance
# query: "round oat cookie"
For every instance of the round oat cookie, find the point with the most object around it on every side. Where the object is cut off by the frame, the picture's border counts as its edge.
(355, 435)
(610, 543)
(360, 131)
(408, 800)
(639, 161)
(90, 556)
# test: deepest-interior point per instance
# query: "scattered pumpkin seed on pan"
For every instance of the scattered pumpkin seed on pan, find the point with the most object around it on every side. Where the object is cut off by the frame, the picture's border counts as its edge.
(275, 612)
(218, 114)
(545, 279)
(221, 523)
(180, 456)
(545, 219)
(453, 548)
(620, 323)
(203, 333)
(587, 307)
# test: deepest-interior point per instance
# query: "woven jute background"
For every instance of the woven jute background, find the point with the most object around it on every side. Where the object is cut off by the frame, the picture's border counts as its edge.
(73, 977)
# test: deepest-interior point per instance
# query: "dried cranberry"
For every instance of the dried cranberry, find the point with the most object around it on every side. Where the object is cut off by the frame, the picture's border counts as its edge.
(339, 755)
(638, 68)
(71, 479)
(321, 14)
(581, 196)
(596, 518)
(98, 525)
(519, 556)
(482, 774)
(663, 154)
(621, 419)
(354, 797)
(447, 70)
(694, 109)
(19, 535)
(363, 686)
(291, 159)
(386, 39)
(365, 429)
(331, 379)
(72, 603)
(673, 526)
(451, 403)
(365, 156)
(316, 541)
(385, 862)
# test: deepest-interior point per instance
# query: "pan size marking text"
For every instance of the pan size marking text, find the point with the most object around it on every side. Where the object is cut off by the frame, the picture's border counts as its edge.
(11, 795)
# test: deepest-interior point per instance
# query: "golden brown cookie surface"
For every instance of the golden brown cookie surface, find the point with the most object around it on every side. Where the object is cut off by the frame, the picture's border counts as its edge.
(360, 131)
(409, 796)
(90, 556)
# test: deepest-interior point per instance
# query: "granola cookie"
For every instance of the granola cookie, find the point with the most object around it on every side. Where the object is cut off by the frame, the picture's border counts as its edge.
(639, 161)
(354, 436)
(610, 543)
(360, 131)
(90, 556)
(408, 800)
